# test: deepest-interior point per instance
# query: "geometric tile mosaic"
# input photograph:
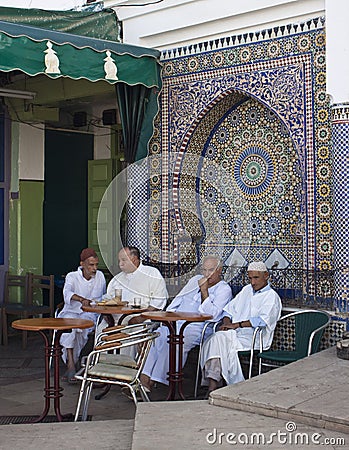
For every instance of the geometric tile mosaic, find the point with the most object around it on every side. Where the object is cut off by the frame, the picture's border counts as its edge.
(242, 152)
(340, 137)
(284, 337)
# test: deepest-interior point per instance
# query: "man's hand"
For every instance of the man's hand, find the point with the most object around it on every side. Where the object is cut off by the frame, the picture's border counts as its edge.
(203, 285)
(136, 319)
(109, 319)
(85, 302)
(228, 326)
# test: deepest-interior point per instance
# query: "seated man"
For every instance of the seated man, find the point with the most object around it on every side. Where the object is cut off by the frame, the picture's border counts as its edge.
(80, 288)
(137, 280)
(206, 294)
(257, 304)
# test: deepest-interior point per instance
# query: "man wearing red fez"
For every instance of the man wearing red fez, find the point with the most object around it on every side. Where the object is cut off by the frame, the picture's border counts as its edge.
(80, 288)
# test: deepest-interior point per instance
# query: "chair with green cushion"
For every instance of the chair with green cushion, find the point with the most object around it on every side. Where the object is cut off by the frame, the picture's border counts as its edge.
(308, 327)
(99, 368)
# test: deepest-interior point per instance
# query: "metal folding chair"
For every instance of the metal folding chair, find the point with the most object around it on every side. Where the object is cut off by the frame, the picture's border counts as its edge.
(208, 324)
(258, 332)
(99, 371)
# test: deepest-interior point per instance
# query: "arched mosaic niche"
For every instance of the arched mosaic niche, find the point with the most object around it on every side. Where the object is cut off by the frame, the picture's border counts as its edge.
(248, 186)
(288, 76)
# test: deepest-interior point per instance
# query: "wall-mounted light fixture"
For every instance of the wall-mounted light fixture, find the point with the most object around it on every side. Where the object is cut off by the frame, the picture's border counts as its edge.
(26, 95)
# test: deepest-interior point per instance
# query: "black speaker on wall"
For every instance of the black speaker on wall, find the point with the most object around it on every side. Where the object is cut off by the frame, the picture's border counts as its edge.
(109, 117)
(80, 119)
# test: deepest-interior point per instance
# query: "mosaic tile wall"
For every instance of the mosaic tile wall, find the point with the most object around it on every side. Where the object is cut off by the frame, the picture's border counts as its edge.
(340, 132)
(241, 155)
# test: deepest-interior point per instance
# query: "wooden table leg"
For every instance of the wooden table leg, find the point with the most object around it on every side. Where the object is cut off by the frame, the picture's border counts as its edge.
(47, 378)
(175, 373)
(57, 391)
(52, 391)
(180, 359)
(172, 371)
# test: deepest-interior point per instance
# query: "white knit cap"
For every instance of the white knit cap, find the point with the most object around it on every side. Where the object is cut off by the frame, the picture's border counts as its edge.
(257, 266)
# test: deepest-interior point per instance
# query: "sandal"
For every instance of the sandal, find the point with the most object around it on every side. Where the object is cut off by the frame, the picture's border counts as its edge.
(69, 377)
(65, 376)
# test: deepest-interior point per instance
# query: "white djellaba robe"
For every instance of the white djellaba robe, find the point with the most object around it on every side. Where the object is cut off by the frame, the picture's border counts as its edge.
(264, 304)
(145, 282)
(92, 289)
(188, 300)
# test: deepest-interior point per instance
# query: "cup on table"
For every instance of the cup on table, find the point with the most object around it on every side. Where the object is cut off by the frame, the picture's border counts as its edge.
(136, 303)
(118, 294)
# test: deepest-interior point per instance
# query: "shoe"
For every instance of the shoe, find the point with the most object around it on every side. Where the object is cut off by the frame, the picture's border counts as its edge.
(97, 385)
(126, 392)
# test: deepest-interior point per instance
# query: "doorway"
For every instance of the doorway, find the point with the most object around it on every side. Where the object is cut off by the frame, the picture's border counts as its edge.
(65, 200)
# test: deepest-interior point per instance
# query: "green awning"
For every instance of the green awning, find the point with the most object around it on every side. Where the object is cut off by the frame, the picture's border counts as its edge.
(37, 51)
(100, 24)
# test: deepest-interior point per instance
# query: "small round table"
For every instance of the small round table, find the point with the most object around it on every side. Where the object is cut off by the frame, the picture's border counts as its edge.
(175, 374)
(110, 310)
(45, 324)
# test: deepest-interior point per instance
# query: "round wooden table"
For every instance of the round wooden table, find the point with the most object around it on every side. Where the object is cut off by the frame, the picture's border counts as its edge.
(110, 310)
(175, 340)
(42, 325)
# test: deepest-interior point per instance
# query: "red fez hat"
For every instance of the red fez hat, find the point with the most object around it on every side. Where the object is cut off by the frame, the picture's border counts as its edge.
(87, 253)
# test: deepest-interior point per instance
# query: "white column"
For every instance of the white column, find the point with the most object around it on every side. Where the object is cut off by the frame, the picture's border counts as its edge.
(337, 50)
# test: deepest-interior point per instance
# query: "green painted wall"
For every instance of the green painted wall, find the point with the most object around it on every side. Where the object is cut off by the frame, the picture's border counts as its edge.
(26, 228)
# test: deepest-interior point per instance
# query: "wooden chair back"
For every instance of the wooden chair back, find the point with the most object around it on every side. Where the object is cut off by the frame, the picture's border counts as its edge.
(16, 289)
(42, 287)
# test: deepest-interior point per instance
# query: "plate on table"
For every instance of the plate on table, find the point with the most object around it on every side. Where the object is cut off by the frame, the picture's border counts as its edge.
(110, 303)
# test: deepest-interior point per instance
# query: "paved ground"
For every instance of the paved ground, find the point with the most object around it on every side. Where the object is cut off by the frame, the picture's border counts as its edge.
(301, 406)
(21, 394)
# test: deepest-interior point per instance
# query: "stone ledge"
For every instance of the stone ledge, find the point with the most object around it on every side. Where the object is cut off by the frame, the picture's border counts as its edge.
(311, 391)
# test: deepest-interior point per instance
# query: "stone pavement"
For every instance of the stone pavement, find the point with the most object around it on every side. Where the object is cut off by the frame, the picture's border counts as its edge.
(303, 405)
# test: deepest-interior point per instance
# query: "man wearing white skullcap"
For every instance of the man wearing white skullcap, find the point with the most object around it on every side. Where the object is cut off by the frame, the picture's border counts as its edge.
(257, 304)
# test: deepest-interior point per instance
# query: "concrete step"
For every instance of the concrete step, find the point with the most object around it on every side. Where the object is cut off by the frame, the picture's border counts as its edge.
(312, 391)
(106, 435)
(199, 425)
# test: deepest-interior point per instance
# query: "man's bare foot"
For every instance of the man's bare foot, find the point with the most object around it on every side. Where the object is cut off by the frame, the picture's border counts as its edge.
(213, 385)
(70, 360)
